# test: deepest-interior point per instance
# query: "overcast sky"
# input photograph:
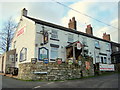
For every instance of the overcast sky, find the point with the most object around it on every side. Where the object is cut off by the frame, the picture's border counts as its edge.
(103, 10)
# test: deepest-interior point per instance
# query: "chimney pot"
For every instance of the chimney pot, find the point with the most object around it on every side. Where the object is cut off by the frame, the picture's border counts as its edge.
(89, 29)
(72, 23)
(24, 12)
(106, 36)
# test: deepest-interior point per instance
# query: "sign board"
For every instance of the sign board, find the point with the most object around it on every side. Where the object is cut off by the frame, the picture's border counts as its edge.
(106, 67)
(70, 62)
(21, 31)
(79, 45)
(45, 35)
(33, 60)
(79, 63)
(46, 60)
(43, 53)
(59, 61)
(87, 64)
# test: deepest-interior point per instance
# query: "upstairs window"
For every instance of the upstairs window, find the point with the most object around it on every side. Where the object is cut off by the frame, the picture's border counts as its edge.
(14, 44)
(70, 38)
(23, 54)
(97, 45)
(107, 46)
(84, 41)
(54, 34)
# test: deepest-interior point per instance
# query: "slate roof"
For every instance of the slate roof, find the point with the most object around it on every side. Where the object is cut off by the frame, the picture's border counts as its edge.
(66, 29)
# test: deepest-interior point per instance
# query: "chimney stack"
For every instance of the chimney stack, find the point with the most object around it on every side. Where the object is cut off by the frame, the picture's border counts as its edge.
(89, 29)
(72, 23)
(24, 12)
(106, 36)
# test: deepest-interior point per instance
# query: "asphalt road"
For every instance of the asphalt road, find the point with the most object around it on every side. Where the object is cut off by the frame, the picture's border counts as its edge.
(107, 81)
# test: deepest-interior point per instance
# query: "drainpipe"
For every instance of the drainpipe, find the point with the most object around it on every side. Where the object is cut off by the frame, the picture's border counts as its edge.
(73, 53)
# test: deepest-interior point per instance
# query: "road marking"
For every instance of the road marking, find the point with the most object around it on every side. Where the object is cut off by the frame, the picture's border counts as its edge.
(37, 87)
(62, 81)
(50, 82)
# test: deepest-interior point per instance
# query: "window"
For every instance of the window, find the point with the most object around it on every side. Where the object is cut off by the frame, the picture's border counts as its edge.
(84, 41)
(16, 57)
(54, 34)
(70, 37)
(108, 46)
(11, 58)
(101, 59)
(54, 52)
(14, 44)
(23, 54)
(117, 49)
(109, 60)
(105, 60)
(43, 53)
(97, 45)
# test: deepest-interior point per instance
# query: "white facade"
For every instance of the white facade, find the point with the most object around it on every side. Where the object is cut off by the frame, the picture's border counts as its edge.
(31, 39)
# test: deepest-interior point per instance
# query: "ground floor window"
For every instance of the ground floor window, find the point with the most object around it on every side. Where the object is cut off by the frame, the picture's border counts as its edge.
(23, 54)
(104, 60)
(54, 53)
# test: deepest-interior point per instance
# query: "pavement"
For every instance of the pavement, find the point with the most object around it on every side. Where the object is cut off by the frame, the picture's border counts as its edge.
(107, 81)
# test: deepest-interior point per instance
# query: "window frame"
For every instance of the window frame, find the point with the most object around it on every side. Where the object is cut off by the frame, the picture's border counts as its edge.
(70, 38)
(84, 41)
(54, 34)
(53, 59)
(25, 54)
(98, 44)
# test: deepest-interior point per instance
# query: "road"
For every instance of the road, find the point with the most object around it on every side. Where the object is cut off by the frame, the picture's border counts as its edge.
(107, 81)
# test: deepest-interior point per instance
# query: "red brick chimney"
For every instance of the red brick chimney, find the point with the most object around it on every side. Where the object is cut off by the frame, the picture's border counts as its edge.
(89, 29)
(72, 23)
(106, 36)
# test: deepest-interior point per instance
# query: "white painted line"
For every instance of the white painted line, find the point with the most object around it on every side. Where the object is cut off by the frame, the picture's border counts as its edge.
(62, 81)
(50, 82)
(37, 87)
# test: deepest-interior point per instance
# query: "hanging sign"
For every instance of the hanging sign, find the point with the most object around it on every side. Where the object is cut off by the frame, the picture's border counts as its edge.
(79, 45)
(45, 35)
(87, 65)
(46, 61)
(21, 31)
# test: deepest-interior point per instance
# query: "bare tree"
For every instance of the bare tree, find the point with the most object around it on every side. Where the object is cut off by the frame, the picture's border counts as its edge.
(6, 34)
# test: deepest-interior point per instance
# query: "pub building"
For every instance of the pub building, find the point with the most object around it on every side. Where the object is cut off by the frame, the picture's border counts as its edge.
(40, 41)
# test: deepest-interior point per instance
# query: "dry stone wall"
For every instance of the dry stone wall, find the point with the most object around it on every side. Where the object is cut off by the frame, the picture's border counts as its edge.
(54, 71)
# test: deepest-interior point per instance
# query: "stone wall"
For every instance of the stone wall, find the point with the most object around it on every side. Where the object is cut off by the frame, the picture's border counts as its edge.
(54, 71)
